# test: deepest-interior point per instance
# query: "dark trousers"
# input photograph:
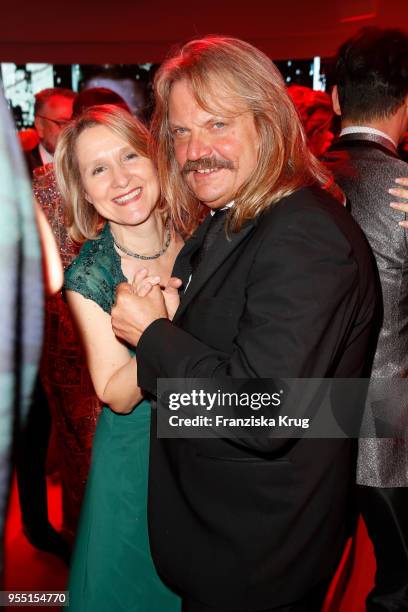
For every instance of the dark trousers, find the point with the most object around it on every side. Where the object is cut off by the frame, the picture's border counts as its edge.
(312, 602)
(385, 513)
(31, 462)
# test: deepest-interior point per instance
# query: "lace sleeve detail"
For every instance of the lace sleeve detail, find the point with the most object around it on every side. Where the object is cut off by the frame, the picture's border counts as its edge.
(96, 272)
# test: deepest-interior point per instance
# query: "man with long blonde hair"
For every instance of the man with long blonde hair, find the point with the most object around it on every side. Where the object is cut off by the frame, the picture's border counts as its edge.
(287, 290)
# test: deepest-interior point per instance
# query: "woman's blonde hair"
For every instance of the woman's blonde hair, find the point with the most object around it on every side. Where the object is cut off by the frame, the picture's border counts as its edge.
(82, 219)
(229, 74)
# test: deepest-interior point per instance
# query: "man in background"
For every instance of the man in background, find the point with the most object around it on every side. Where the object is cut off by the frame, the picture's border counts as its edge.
(52, 110)
(371, 95)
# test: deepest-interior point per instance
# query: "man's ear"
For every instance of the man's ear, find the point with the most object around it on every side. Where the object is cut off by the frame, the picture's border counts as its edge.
(335, 101)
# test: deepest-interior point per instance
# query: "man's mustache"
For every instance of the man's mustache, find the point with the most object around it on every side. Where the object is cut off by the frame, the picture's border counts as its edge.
(207, 163)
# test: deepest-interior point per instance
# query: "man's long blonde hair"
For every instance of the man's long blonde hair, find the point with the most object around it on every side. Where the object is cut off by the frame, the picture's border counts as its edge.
(226, 74)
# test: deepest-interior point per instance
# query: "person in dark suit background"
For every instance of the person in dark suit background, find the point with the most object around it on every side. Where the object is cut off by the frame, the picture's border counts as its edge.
(290, 293)
(52, 110)
(371, 96)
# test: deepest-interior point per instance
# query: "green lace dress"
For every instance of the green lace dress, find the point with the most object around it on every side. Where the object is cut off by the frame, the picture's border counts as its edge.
(112, 570)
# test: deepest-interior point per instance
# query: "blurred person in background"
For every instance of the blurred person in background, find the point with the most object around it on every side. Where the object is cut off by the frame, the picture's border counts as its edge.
(316, 113)
(95, 96)
(132, 83)
(21, 299)
(52, 110)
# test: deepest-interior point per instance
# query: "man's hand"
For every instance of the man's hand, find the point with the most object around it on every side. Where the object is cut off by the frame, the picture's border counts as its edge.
(401, 193)
(132, 313)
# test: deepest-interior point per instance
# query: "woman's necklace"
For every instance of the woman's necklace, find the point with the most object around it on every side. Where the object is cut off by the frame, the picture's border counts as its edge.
(155, 256)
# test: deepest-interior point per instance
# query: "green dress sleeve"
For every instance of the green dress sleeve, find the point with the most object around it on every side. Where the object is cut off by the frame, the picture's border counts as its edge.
(96, 272)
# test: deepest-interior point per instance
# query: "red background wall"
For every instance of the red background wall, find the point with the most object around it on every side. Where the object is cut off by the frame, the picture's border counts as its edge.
(90, 31)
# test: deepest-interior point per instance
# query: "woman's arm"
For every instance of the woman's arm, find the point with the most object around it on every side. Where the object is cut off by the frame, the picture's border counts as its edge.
(52, 266)
(113, 370)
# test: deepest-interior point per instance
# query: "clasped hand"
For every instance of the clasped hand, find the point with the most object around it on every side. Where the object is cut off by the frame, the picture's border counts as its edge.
(139, 304)
(402, 192)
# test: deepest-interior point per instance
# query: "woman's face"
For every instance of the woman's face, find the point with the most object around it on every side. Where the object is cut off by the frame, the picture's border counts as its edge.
(122, 185)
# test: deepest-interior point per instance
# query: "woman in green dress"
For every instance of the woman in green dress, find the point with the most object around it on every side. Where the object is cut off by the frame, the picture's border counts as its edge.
(112, 195)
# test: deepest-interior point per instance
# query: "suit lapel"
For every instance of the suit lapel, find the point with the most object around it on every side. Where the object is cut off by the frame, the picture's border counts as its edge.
(220, 250)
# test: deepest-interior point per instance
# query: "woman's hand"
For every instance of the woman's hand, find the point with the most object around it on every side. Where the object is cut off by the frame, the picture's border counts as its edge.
(171, 295)
(400, 192)
(143, 284)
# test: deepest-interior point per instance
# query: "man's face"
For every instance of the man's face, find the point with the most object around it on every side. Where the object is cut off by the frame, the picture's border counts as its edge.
(51, 119)
(216, 152)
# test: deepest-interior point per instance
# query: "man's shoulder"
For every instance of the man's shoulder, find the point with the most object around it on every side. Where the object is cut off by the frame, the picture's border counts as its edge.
(305, 202)
(313, 211)
(365, 174)
(366, 155)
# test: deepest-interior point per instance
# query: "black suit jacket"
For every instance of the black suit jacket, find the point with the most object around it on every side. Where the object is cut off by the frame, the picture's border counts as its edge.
(291, 295)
